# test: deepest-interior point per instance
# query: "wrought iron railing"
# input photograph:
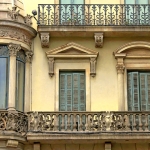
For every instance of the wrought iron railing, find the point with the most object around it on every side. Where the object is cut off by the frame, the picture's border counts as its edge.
(89, 121)
(93, 15)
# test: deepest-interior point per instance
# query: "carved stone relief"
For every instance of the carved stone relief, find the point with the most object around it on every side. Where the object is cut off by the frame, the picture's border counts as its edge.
(29, 55)
(13, 49)
(120, 68)
(13, 13)
(98, 39)
(45, 40)
(14, 33)
(28, 19)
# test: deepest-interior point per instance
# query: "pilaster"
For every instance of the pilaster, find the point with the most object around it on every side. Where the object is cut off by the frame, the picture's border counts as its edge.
(13, 49)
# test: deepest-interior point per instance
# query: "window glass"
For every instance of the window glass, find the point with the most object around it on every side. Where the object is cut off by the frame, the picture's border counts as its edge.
(20, 79)
(3, 76)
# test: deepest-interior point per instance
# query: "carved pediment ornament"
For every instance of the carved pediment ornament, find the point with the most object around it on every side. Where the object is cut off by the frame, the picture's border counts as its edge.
(72, 50)
(13, 49)
(13, 13)
(44, 39)
(98, 39)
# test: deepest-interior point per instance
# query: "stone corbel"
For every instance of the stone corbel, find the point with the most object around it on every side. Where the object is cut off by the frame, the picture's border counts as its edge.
(12, 143)
(29, 55)
(98, 39)
(120, 68)
(93, 66)
(44, 39)
(51, 66)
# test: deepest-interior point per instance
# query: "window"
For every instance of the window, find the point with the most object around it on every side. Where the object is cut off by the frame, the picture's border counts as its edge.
(72, 13)
(72, 91)
(20, 80)
(4, 58)
(138, 85)
(137, 14)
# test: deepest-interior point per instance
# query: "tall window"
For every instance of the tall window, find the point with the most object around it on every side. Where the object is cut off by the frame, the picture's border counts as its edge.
(72, 13)
(4, 58)
(72, 91)
(138, 91)
(20, 80)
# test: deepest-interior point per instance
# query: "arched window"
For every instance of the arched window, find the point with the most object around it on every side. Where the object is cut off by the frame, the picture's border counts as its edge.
(4, 59)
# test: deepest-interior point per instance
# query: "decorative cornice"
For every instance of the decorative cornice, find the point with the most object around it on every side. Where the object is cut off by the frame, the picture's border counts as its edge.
(13, 13)
(13, 49)
(98, 39)
(44, 39)
(29, 55)
(120, 68)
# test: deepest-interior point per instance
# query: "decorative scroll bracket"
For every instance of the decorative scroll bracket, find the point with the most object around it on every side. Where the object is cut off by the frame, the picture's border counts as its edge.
(98, 40)
(44, 39)
(51, 66)
(93, 66)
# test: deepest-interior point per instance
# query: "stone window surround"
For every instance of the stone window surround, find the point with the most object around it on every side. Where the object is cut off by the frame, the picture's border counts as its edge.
(127, 60)
(72, 57)
(13, 49)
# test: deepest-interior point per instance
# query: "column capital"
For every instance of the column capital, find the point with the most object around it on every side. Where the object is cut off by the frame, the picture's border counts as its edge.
(13, 49)
(29, 55)
(120, 68)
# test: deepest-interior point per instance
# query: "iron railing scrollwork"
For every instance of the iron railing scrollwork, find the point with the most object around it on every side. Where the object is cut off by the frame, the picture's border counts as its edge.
(94, 14)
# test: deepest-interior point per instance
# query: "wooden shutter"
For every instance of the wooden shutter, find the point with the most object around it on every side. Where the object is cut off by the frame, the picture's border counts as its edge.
(145, 91)
(133, 91)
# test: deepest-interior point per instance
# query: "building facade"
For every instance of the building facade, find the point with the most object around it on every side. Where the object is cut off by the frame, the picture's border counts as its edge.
(74, 75)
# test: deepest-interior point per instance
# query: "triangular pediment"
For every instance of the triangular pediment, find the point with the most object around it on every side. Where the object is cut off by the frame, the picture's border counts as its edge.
(71, 49)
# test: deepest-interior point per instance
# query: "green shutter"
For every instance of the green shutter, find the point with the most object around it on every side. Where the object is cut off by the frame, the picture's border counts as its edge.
(133, 91)
(145, 91)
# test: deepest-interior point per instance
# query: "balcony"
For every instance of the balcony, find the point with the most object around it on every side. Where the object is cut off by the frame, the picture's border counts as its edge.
(75, 126)
(114, 20)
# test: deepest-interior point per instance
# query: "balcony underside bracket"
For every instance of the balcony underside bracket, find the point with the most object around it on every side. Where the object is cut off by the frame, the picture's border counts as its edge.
(98, 40)
(44, 36)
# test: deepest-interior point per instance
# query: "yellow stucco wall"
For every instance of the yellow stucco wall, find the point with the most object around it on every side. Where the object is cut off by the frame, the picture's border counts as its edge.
(104, 95)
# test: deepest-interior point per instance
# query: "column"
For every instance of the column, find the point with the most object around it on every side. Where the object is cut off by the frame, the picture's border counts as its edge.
(120, 71)
(13, 49)
(27, 102)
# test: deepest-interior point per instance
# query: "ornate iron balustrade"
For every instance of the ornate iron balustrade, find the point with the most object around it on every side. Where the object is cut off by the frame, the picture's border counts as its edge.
(13, 121)
(93, 15)
(89, 121)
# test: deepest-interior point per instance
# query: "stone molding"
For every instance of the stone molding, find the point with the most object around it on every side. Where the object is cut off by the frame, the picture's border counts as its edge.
(75, 51)
(29, 55)
(44, 39)
(13, 49)
(98, 40)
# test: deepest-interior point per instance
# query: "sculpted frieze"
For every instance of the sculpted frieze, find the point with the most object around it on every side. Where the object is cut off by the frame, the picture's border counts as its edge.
(14, 33)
